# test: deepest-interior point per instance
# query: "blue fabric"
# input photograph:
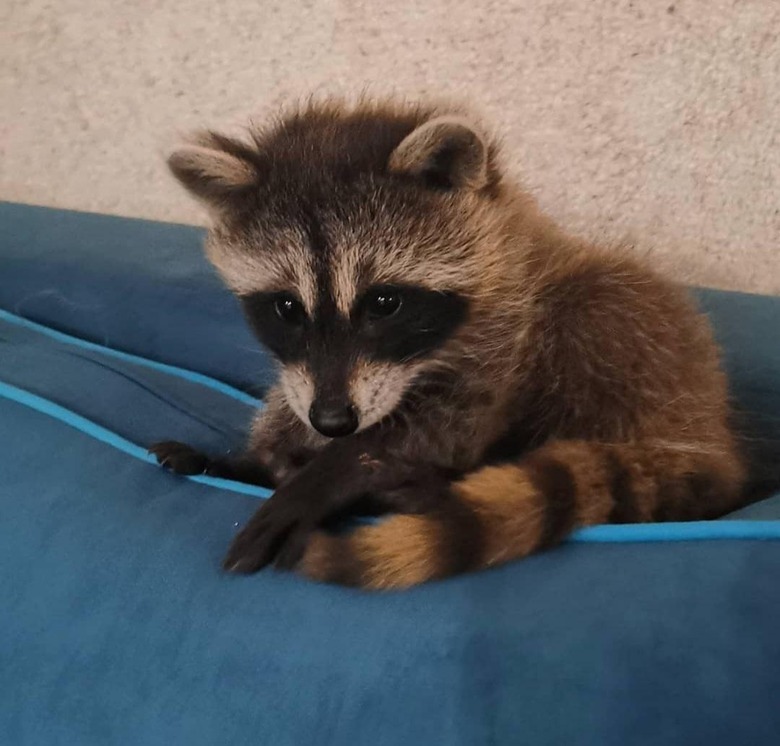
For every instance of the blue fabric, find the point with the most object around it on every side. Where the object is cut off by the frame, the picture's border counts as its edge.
(117, 627)
(108, 279)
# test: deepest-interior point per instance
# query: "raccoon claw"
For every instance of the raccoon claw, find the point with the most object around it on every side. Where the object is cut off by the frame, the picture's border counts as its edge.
(257, 557)
(257, 544)
(243, 559)
(179, 457)
(240, 566)
(247, 560)
(276, 534)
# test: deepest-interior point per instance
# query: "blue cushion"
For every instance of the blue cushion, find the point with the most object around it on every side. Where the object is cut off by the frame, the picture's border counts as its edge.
(117, 626)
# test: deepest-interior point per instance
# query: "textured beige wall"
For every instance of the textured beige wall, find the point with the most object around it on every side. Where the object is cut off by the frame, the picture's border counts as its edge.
(654, 120)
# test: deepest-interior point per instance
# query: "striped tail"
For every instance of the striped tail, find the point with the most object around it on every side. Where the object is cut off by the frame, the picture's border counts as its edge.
(501, 513)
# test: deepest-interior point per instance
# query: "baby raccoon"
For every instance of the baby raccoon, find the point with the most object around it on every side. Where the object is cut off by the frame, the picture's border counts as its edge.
(446, 354)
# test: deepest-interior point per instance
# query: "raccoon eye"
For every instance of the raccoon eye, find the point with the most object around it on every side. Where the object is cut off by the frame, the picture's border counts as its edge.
(382, 303)
(289, 310)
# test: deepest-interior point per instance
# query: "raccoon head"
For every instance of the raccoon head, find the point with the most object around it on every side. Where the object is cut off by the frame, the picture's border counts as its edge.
(352, 238)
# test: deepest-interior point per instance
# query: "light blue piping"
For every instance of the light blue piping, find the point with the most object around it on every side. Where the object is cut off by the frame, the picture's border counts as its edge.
(173, 370)
(688, 531)
(44, 406)
(649, 532)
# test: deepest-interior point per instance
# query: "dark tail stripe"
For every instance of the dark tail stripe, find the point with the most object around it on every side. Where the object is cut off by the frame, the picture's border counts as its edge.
(670, 494)
(556, 484)
(707, 496)
(625, 508)
(462, 540)
(697, 493)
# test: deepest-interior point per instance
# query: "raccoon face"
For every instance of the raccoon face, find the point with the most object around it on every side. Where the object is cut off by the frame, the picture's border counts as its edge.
(355, 303)
(346, 371)
(351, 242)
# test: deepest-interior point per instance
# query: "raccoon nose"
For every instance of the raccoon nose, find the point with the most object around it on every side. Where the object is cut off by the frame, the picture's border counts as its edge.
(333, 420)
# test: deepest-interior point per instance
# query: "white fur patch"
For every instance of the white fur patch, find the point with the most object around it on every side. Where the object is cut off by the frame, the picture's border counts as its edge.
(344, 274)
(376, 389)
(287, 266)
(298, 389)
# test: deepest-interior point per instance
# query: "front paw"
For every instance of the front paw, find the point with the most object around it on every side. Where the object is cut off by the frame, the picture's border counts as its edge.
(277, 533)
(281, 530)
(179, 457)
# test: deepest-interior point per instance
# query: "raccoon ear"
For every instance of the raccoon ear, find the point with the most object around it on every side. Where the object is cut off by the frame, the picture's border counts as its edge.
(214, 168)
(446, 153)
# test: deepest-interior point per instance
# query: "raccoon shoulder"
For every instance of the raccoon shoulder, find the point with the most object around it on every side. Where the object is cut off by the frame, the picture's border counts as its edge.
(613, 343)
